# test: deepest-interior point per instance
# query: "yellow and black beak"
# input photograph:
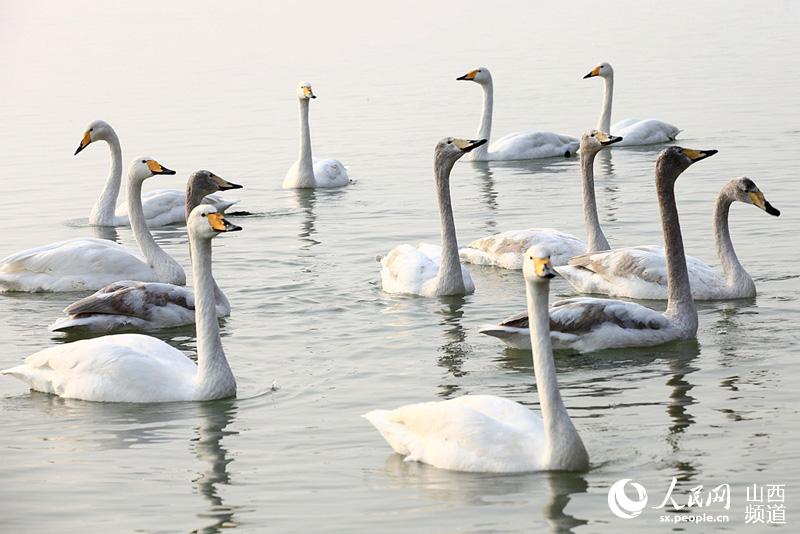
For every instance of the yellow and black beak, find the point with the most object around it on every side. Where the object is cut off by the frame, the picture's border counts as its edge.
(224, 184)
(758, 200)
(308, 93)
(156, 168)
(697, 155)
(218, 223)
(469, 76)
(592, 73)
(467, 145)
(87, 138)
(543, 267)
(606, 139)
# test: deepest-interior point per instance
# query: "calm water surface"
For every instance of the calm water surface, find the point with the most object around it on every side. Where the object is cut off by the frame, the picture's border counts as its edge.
(313, 341)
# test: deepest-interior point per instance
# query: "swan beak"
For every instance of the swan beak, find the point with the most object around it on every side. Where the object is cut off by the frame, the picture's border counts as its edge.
(543, 267)
(224, 184)
(156, 168)
(219, 223)
(308, 93)
(697, 155)
(469, 76)
(467, 145)
(87, 138)
(606, 139)
(592, 73)
(758, 200)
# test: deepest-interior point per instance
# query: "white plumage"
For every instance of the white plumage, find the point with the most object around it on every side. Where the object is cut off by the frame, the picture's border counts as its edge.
(507, 249)
(414, 270)
(167, 206)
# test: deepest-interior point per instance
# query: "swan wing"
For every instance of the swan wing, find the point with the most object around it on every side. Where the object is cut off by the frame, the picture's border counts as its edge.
(644, 132)
(582, 315)
(330, 173)
(507, 249)
(168, 206)
(118, 368)
(406, 268)
(532, 144)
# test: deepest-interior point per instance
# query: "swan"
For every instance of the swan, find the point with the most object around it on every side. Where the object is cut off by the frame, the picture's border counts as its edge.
(161, 206)
(507, 249)
(587, 324)
(634, 131)
(308, 172)
(530, 144)
(428, 270)
(484, 433)
(139, 368)
(640, 272)
(132, 305)
(90, 263)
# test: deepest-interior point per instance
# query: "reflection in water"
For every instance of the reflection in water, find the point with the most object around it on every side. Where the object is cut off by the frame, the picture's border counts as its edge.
(106, 232)
(306, 199)
(562, 485)
(453, 352)
(605, 163)
(488, 192)
(214, 418)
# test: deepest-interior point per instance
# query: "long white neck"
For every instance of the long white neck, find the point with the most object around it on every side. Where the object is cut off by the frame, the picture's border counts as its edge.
(451, 280)
(604, 124)
(305, 163)
(481, 153)
(735, 274)
(194, 197)
(166, 269)
(596, 239)
(564, 448)
(681, 309)
(103, 210)
(214, 379)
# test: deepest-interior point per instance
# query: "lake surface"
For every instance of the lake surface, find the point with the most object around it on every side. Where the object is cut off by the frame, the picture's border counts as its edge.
(313, 341)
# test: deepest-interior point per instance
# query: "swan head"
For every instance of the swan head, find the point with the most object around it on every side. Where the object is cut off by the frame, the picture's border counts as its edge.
(674, 160)
(536, 266)
(206, 182)
(745, 190)
(449, 149)
(603, 70)
(96, 131)
(594, 141)
(481, 76)
(144, 167)
(304, 91)
(206, 222)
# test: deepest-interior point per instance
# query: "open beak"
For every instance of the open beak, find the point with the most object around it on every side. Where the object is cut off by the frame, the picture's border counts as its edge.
(87, 138)
(758, 200)
(467, 145)
(224, 184)
(219, 223)
(592, 73)
(697, 155)
(156, 168)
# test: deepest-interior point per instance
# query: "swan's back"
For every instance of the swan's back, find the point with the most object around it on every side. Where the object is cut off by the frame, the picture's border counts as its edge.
(532, 144)
(330, 173)
(168, 206)
(644, 132)
(507, 249)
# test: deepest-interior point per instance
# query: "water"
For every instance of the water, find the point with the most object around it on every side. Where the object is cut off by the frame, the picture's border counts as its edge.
(212, 86)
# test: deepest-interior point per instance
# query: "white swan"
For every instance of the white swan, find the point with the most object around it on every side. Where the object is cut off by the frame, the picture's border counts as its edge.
(530, 144)
(131, 305)
(507, 249)
(160, 206)
(588, 324)
(484, 433)
(428, 270)
(634, 131)
(89, 263)
(641, 272)
(308, 172)
(139, 368)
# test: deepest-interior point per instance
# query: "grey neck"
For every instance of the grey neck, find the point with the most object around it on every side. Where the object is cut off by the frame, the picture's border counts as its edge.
(604, 123)
(305, 163)
(214, 379)
(564, 447)
(735, 274)
(596, 239)
(451, 280)
(103, 212)
(485, 129)
(680, 305)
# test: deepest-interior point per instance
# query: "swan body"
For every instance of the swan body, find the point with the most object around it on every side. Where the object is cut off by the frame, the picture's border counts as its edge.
(139, 368)
(87, 263)
(428, 270)
(161, 207)
(633, 131)
(641, 272)
(142, 306)
(484, 433)
(589, 324)
(308, 172)
(529, 144)
(507, 249)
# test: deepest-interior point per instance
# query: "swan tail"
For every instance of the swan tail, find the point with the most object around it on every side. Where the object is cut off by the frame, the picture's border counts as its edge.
(515, 338)
(396, 434)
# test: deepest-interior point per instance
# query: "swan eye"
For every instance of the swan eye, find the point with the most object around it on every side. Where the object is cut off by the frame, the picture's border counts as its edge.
(450, 142)
(144, 161)
(203, 214)
(90, 129)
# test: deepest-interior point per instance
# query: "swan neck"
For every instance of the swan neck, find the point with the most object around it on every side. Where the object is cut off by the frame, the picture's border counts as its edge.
(604, 123)
(214, 378)
(735, 274)
(451, 279)
(103, 211)
(485, 129)
(680, 304)
(305, 161)
(596, 239)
